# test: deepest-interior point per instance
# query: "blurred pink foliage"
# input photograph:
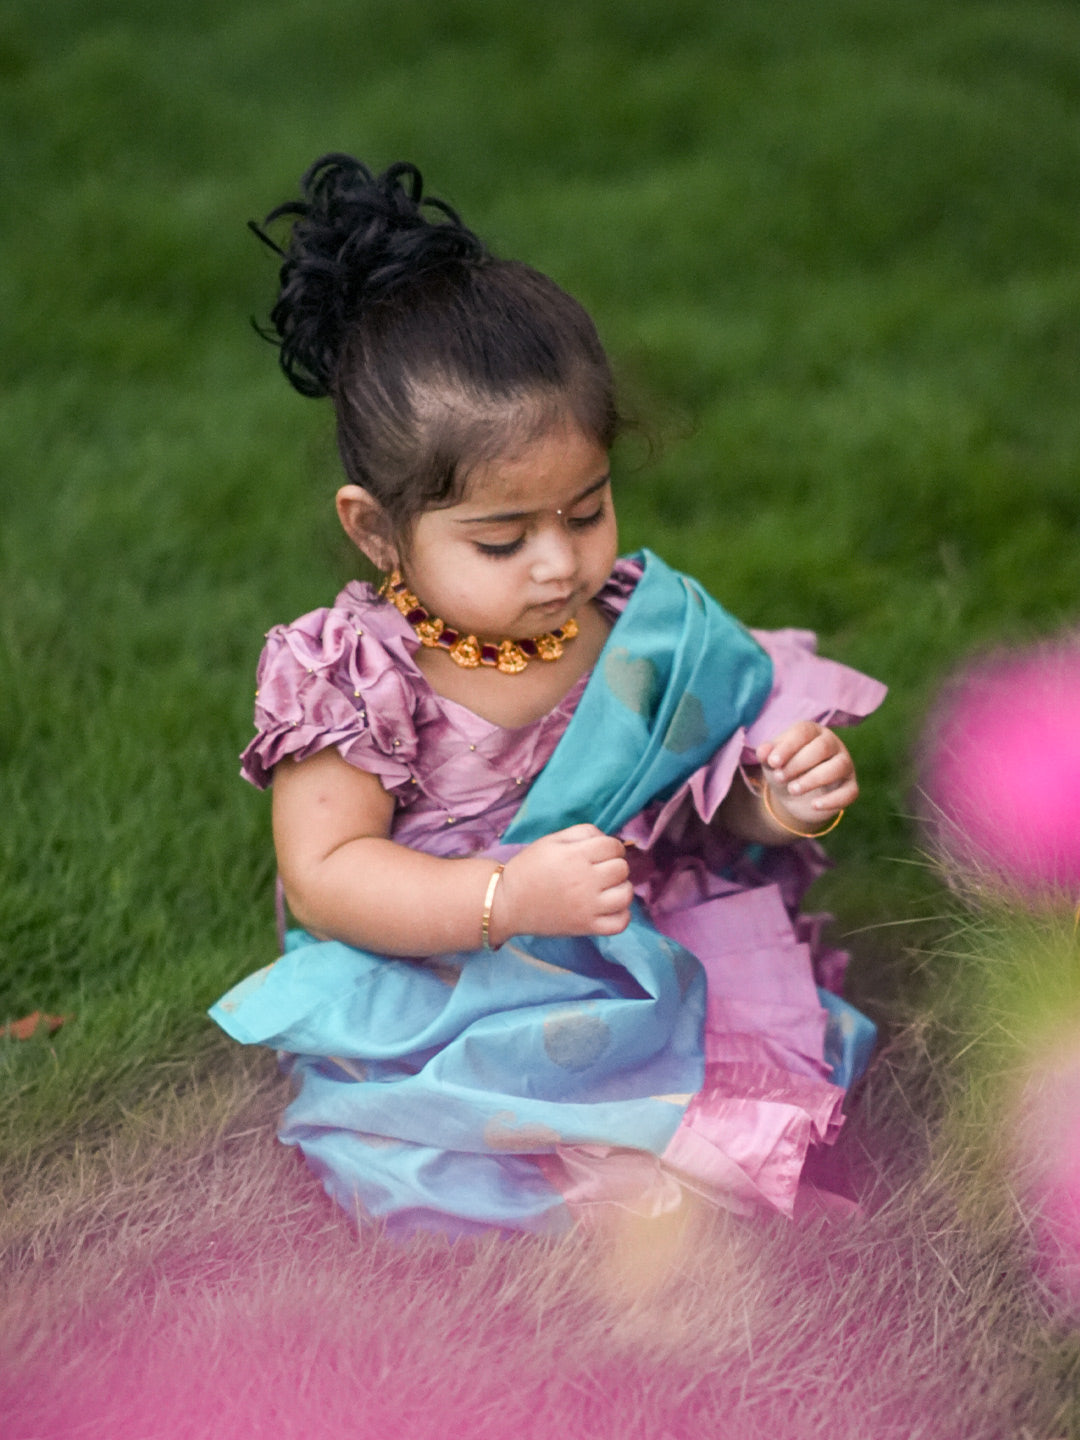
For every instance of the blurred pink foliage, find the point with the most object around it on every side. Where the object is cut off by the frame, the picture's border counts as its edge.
(1001, 770)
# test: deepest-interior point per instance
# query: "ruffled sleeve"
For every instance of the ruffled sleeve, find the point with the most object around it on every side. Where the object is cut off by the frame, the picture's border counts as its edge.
(327, 680)
(806, 686)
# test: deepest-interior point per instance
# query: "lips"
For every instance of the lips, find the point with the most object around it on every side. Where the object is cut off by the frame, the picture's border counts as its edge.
(553, 607)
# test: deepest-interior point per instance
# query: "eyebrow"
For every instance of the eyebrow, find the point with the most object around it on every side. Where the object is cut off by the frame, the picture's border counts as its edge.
(508, 515)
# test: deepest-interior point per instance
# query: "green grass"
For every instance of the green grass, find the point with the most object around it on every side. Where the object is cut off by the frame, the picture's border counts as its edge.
(833, 251)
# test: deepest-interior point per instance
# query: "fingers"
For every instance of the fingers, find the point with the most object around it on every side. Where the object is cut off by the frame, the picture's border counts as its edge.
(572, 833)
(610, 880)
(615, 892)
(828, 802)
(573, 882)
(830, 773)
(610, 872)
(615, 897)
(612, 924)
(612, 909)
(806, 757)
(809, 767)
(775, 754)
(596, 844)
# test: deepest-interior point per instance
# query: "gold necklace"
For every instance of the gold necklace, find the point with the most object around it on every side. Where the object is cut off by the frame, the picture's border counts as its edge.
(508, 656)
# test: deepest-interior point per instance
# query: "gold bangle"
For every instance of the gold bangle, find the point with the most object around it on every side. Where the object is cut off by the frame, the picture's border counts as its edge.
(489, 900)
(802, 834)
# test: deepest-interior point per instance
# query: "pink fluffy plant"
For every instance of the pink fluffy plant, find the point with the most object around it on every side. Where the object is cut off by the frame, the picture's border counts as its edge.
(1001, 788)
(1001, 772)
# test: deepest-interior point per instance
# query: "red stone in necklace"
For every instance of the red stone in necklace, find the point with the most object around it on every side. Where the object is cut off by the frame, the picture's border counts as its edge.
(508, 656)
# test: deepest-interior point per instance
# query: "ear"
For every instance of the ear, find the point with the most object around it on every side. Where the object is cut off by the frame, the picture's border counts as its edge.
(366, 523)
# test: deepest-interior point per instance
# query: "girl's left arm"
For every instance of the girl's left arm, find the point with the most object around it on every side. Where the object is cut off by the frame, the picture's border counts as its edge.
(810, 777)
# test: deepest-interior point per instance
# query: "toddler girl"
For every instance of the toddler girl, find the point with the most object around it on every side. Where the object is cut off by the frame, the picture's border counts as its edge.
(545, 815)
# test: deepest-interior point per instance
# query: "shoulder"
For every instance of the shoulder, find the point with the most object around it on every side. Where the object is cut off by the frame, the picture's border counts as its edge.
(340, 675)
(353, 642)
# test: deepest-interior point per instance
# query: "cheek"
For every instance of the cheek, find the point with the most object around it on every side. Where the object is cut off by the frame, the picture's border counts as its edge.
(480, 583)
(606, 547)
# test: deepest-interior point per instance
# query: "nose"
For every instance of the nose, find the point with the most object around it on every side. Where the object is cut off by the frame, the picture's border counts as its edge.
(554, 556)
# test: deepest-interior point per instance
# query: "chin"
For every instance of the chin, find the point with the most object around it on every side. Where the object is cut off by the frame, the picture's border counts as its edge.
(541, 619)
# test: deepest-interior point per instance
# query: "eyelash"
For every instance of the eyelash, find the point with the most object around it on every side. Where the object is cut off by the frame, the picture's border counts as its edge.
(504, 552)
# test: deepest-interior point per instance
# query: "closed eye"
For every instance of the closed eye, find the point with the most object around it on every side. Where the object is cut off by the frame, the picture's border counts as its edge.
(582, 522)
(501, 552)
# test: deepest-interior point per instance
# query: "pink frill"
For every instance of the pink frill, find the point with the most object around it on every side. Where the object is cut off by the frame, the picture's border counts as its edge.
(322, 683)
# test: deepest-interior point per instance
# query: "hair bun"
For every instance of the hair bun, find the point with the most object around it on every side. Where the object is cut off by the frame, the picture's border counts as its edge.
(356, 239)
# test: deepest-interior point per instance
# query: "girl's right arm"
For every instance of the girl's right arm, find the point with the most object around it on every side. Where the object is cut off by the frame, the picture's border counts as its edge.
(345, 878)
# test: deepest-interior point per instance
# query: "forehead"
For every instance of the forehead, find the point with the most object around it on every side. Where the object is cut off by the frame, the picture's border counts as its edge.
(548, 471)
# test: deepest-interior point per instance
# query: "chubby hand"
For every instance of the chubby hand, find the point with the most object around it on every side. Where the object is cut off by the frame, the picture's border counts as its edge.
(574, 882)
(809, 772)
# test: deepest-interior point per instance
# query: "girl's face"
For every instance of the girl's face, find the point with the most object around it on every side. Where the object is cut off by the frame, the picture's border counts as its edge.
(531, 541)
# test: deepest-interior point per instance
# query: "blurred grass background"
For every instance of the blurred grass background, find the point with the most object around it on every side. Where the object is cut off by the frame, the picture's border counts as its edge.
(832, 249)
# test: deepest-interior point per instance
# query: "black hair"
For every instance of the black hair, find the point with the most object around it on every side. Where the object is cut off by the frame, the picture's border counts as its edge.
(436, 354)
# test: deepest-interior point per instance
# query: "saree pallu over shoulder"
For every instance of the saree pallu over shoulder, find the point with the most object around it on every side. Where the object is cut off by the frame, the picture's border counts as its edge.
(676, 678)
(474, 1090)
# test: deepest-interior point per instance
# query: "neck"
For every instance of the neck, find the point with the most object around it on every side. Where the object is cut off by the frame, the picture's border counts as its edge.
(510, 655)
(515, 700)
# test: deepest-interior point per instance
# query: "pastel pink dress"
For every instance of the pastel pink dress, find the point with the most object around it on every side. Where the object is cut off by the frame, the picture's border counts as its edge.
(346, 676)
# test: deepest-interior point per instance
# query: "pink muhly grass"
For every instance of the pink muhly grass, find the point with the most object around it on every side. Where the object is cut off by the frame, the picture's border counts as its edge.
(186, 1278)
